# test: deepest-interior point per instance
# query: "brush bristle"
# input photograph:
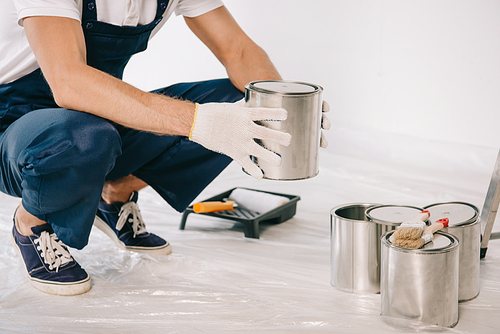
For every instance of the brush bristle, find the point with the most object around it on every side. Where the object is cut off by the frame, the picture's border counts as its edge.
(408, 233)
(409, 243)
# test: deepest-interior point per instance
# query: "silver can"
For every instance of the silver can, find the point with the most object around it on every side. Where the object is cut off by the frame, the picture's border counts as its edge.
(465, 225)
(303, 102)
(356, 230)
(355, 249)
(392, 215)
(421, 284)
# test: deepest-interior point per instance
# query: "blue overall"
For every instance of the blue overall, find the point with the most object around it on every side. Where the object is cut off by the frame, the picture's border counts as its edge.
(57, 159)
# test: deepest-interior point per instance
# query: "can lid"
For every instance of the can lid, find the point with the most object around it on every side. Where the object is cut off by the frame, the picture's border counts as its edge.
(439, 241)
(392, 215)
(283, 87)
(458, 213)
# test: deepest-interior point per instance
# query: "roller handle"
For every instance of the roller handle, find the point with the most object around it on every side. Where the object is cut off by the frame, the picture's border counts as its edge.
(436, 226)
(204, 207)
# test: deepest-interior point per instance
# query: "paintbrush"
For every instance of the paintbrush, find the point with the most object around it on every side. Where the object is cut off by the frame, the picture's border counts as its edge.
(412, 229)
(426, 237)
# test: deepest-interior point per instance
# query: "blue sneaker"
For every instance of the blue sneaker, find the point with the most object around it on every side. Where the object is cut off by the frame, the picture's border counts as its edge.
(49, 265)
(123, 223)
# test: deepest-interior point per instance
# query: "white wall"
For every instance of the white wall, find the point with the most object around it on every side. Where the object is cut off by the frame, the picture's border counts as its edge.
(428, 68)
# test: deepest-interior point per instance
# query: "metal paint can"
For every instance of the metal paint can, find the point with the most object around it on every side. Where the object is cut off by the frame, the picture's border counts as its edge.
(355, 246)
(421, 284)
(465, 226)
(355, 250)
(355, 232)
(303, 102)
(392, 215)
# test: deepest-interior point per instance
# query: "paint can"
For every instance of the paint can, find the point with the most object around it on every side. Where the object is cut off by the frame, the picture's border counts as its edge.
(303, 102)
(355, 232)
(355, 250)
(355, 244)
(421, 284)
(392, 215)
(464, 224)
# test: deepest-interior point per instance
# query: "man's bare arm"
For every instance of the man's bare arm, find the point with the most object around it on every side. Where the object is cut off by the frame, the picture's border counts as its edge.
(244, 60)
(59, 47)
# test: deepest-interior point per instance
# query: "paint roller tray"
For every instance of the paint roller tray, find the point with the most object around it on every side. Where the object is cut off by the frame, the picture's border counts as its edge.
(250, 219)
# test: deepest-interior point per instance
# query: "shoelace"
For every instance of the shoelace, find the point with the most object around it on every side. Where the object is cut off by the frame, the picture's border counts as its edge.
(138, 225)
(52, 250)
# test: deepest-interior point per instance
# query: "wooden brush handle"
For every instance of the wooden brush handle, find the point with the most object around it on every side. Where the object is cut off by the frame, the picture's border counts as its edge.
(421, 217)
(436, 226)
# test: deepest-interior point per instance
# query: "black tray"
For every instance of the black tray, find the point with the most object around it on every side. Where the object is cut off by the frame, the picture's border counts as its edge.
(250, 219)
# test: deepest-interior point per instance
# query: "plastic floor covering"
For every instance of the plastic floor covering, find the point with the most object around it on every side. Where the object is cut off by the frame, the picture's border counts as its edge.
(218, 281)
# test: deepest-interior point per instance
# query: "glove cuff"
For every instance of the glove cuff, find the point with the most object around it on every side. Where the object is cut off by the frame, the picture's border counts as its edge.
(194, 121)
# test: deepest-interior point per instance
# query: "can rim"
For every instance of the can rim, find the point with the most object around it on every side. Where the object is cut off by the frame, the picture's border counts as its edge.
(473, 219)
(453, 244)
(251, 86)
(387, 222)
(349, 205)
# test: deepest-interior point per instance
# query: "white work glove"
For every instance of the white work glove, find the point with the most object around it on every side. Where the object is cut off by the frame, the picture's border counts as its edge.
(229, 128)
(325, 124)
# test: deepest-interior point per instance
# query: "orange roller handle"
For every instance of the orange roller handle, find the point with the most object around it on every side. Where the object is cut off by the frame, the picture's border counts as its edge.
(203, 207)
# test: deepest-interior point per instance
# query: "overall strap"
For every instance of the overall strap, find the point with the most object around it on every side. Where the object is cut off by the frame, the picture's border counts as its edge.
(90, 10)
(160, 8)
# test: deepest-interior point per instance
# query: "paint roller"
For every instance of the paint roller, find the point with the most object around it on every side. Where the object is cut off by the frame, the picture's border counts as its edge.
(251, 200)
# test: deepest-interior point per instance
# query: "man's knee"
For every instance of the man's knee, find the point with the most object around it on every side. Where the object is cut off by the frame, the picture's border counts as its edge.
(88, 136)
(60, 138)
(93, 136)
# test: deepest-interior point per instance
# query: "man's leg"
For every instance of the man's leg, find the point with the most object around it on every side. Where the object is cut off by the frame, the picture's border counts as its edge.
(120, 190)
(56, 160)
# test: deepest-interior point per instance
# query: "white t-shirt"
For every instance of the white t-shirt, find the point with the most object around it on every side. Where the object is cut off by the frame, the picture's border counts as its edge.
(17, 58)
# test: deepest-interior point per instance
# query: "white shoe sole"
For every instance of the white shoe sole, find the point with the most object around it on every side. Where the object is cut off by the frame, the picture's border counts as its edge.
(55, 288)
(159, 250)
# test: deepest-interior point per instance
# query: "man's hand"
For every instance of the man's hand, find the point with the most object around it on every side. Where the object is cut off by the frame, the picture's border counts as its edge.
(229, 128)
(325, 124)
